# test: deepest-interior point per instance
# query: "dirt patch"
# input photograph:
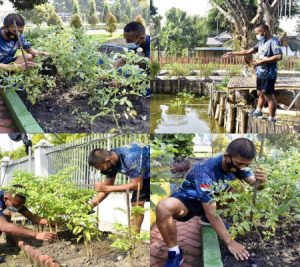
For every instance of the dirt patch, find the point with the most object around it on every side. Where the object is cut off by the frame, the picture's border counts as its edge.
(68, 253)
(55, 113)
(282, 250)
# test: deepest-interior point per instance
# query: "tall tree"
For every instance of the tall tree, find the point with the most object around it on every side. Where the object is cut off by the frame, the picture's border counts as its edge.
(105, 10)
(111, 23)
(182, 31)
(153, 9)
(244, 14)
(128, 11)
(75, 7)
(117, 10)
(26, 4)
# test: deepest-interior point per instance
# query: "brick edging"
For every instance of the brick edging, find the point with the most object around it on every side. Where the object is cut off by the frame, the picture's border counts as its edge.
(22, 117)
(36, 257)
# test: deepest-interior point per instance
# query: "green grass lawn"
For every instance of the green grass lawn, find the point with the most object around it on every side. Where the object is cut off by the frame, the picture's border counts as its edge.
(104, 37)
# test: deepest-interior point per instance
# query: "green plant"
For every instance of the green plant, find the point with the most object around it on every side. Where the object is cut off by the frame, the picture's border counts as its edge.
(111, 23)
(177, 69)
(76, 21)
(61, 202)
(278, 201)
(154, 69)
(122, 241)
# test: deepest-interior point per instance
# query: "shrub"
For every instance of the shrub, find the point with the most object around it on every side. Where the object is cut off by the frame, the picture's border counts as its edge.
(76, 21)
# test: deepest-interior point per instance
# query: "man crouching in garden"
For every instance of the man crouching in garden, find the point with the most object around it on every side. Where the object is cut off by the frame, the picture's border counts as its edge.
(134, 162)
(195, 197)
(9, 44)
(14, 202)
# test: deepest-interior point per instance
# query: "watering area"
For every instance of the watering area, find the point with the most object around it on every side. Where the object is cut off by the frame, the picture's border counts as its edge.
(191, 117)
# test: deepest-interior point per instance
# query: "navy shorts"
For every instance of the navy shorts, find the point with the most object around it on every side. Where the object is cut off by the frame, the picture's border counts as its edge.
(194, 207)
(144, 192)
(267, 86)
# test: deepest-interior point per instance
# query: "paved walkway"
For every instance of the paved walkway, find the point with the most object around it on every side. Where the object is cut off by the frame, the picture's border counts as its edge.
(189, 239)
(6, 123)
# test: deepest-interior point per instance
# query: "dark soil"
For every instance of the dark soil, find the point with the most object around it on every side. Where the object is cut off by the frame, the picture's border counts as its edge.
(282, 250)
(68, 253)
(54, 113)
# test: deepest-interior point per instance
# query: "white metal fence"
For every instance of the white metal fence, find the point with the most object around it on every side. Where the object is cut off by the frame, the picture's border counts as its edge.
(75, 154)
(49, 159)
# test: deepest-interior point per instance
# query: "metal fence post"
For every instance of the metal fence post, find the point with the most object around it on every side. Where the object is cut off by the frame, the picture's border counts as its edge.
(4, 164)
(41, 160)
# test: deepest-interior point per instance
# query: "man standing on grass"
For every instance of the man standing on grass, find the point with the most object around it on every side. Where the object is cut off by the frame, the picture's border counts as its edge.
(134, 162)
(9, 44)
(14, 202)
(269, 52)
(195, 197)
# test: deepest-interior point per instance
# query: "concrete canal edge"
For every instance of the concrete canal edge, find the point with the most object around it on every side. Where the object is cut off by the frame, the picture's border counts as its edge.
(23, 119)
(211, 248)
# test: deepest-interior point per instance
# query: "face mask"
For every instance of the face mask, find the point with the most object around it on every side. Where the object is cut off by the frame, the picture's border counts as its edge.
(111, 171)
(260, 38)
(233, 168)
(132, 46)
(13, 209)
(11, 36)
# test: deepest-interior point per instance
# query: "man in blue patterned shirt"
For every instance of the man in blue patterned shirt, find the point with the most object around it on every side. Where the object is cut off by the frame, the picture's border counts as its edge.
(196, 197)
(268, 53)
(9, 44)
(134, 162)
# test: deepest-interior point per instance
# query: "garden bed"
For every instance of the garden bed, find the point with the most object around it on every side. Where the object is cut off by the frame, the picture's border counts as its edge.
(67, 252)
(282, 250)
(55, 113)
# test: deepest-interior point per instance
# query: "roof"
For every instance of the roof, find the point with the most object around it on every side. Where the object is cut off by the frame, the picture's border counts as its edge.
(224, 36)
(213, 42)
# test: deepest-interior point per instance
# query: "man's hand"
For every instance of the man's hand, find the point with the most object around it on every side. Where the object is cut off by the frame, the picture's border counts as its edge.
(260, 175)
(43, 222)
(238, 250)
(45, 236)
(257, 62)
(22, 66)
(43, 53)
(228, 55)
(101, 187)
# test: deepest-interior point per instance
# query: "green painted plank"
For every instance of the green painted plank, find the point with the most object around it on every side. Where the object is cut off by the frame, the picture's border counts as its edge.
(211, 248)
(23, 119)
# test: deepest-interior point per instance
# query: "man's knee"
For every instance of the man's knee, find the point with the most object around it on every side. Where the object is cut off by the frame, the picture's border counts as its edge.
(163, 209)
(260, 93)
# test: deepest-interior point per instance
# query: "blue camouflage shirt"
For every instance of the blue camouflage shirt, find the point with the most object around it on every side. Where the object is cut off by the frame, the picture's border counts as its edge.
(205, 178)
(134, 161)
(2, 204)
(267, 49)
(147, 52)
(8, 49)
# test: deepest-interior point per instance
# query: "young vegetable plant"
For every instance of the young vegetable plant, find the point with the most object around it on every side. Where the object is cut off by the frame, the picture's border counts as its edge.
(61, 202)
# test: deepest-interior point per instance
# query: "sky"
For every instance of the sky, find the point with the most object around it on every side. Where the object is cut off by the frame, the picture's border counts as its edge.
(201, 7)
(8, 145)
(192, 7)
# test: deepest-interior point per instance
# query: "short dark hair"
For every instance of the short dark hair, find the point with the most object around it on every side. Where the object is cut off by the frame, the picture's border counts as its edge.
(9, 20)
(15, 191)
(136, 27)
(243, 147)
(98, 155)
(262, 26)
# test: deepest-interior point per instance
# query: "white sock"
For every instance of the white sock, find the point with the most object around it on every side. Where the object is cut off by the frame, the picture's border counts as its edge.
(176, 249)
(271, 118)
(258, 109)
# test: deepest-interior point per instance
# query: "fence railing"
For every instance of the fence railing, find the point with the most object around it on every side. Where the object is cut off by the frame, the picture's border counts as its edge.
(50, 159)
(76, 154)
(288, 63)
